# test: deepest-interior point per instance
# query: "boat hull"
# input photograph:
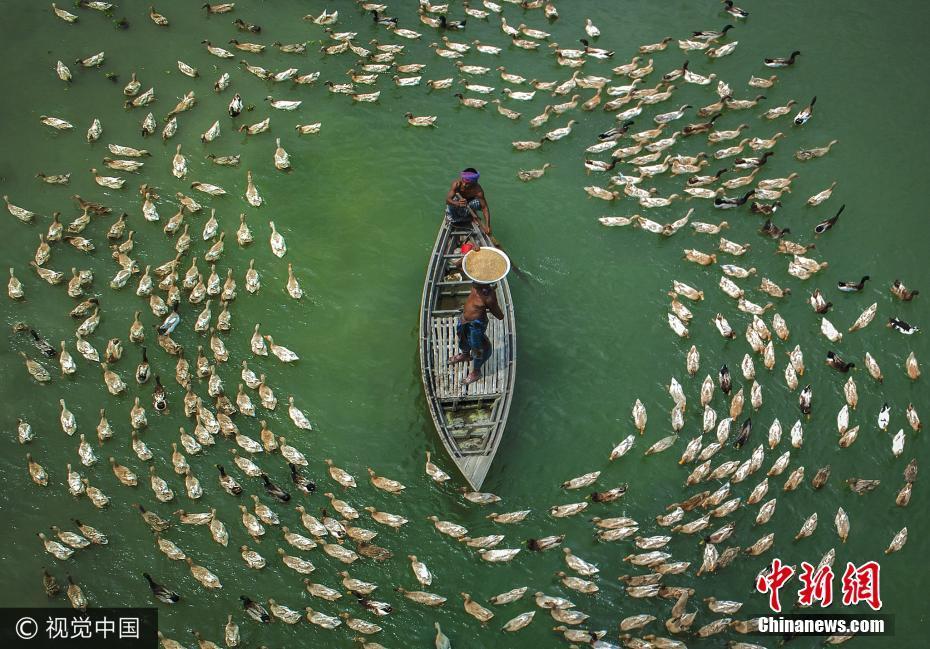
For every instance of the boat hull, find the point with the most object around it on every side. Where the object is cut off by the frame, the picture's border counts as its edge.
(469, 419)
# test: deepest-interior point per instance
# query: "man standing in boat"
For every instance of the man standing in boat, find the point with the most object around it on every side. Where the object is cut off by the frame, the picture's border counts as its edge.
(472, 325)
(465, 198)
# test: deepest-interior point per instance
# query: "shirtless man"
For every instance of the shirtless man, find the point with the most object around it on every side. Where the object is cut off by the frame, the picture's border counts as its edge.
(466, 193)
(473, 344)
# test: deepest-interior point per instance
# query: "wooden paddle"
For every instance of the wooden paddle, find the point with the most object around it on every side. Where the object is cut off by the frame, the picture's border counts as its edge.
(497, 244)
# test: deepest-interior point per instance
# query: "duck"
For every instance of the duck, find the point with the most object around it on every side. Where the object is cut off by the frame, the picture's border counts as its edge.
(741, 104)
(258, 127)
(596, 52)
(391, 520)
(823, 226)
(283, 354)
(778, 111)
(278, 245)
(837, 363)
(70, 539)
(853, 287)
(711, 35)
(439, 84)
(671, 116)
(526, 145)
(228, 483)
(160, 592)
(66, 16)
(380, 19)
(295, 48)
(901, 326)
(742, 181)
(757, 143)
(698, 79)
(773, 231)
(819, 303)
(725, 203)
(235, 106)
(143, 370)
(76, 595)
(253, 48)
(531, 174)
(255, 610)
(761, 82)
(304, 484)
(110, 182)
(420, 571)
(528, 96)
(251, 193)
(54, 179)
(56, 549)
(782, 62)
(735, 11)
(699, 257)
(160, 487)
(655, 47)
(339, 475)
(752, 163)
(817, 152)
(822, 196)
(455, 25)
(702, 127)
(95, 130)
(898, 289)
(470, 102)
(471, 87)
(378, 608)
(804, 116)
(731, 151)
(701, 181)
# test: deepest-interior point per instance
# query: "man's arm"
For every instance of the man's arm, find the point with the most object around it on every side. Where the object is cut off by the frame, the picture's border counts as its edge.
(451, 199)
(485, 209)
(495, 308)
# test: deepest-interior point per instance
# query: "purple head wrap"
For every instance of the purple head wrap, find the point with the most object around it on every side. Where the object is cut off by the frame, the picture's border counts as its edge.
(470, 176)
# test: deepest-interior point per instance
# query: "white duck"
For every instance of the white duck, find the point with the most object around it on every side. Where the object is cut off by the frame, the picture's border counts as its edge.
(278, 245)
(251, 192)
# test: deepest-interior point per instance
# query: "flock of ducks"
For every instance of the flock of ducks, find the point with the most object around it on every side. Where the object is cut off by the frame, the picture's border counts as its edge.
(180, 293)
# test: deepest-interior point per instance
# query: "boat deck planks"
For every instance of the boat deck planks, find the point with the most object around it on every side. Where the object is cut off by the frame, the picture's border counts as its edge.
(448, 378)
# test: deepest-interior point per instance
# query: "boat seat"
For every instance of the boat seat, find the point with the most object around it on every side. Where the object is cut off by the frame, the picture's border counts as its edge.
(448, 379)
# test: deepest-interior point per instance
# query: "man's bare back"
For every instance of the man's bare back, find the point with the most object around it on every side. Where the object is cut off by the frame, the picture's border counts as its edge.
(483, 298)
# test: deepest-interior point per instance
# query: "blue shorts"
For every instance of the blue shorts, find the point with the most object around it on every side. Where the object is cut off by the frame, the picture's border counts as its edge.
(459, 215)
(472, 341)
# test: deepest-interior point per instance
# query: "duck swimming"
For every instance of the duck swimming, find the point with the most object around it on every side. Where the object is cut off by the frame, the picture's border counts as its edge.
(901, 326)
(823, 226)
(781, 62)
(818, 152)
(900, 291)
(852, 287)
(725, 203)
(161, 593)
(837, 363)
(804, 116)
(735, 11)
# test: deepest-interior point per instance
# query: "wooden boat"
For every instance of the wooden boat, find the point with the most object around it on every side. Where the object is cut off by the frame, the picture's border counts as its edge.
(470, 419)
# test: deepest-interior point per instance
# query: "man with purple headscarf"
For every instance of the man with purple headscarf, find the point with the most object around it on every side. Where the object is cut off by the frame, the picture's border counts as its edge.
(467, 193)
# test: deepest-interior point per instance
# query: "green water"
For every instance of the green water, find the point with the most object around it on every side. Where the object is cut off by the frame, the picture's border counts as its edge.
(359, 212)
